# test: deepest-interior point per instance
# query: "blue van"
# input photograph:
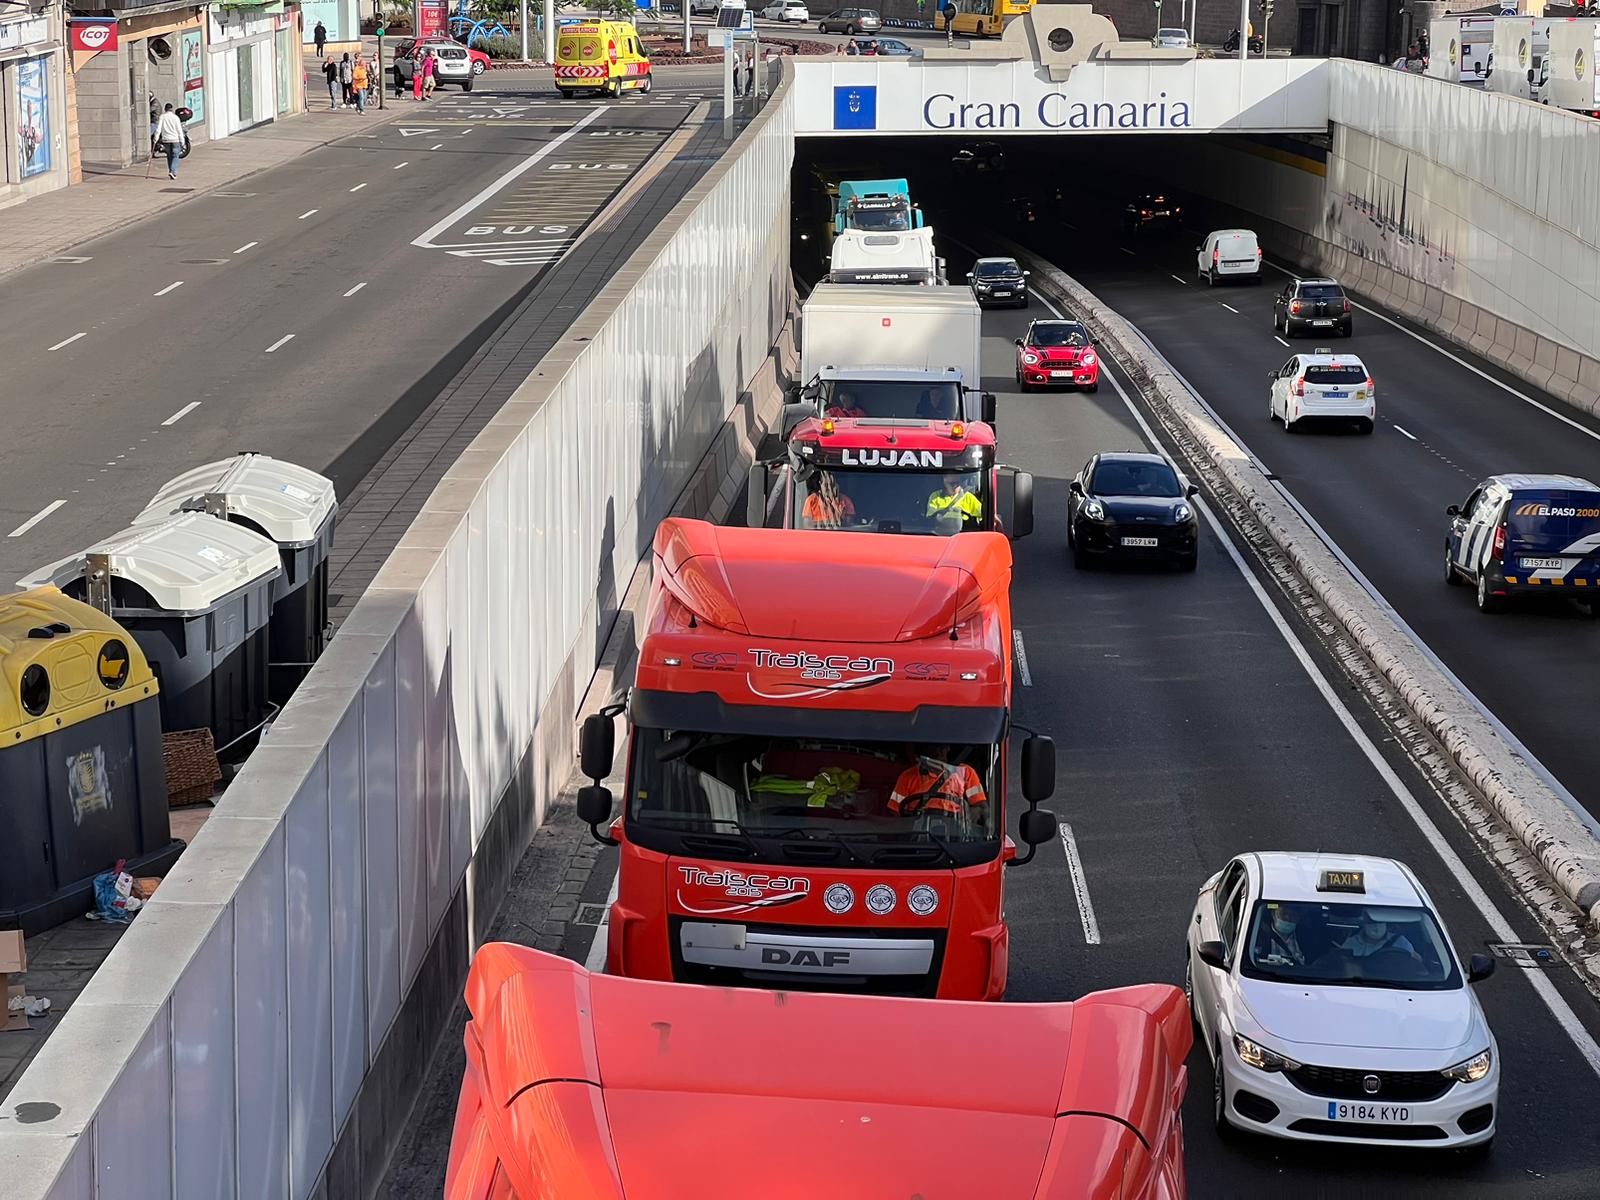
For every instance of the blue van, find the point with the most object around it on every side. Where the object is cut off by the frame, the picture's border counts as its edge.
(1526, 533)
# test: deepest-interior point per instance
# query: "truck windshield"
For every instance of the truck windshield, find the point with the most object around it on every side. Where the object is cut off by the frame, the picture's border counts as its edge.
(879, 217)
(906, 399)
(893, 500)
(769, 791)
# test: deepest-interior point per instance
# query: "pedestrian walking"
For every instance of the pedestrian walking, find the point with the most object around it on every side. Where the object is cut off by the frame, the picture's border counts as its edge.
(319, 35)
(330, 72)
(428, 65)
(416, 74)
(347, 74)
(358, 84)
(169, 135)
(750, 75)
(374, 77)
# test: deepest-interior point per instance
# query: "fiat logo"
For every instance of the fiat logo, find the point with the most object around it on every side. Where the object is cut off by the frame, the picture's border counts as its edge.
(1370, 1084)
(94, 36)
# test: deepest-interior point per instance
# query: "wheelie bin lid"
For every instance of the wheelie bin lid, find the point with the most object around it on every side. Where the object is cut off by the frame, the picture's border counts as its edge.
(61, 662)
(185, 564)
(288, 503)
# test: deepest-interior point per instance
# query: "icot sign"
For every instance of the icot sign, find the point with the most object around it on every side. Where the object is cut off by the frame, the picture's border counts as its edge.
(94, 35)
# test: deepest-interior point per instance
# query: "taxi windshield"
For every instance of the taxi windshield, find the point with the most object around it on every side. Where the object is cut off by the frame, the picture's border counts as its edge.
(892, 500)
(1064, 334)
(914, 400)
(1351, 945)
(870, 794)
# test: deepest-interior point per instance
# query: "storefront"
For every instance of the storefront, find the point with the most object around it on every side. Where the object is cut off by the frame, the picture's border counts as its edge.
(158, 58)
(341, 19)
(242, 66)
(33, 116)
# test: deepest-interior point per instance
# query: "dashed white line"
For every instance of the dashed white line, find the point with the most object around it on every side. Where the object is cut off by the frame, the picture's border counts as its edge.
(1403, 433)
(1230, 308)
(171, 287)
(308, 212)
(1181, 280)
(1021, 653)
(440, 146)
(1080, 886)
(1279, 340)
(358, 187)
(182, 413)
(1128, 252)
(355, 289)
(398, 165)
(245, 247)
(70, 340)
(36, 518)
(284, 340)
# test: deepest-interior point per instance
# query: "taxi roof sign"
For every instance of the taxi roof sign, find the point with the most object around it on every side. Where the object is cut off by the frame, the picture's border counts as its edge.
(1342, 881)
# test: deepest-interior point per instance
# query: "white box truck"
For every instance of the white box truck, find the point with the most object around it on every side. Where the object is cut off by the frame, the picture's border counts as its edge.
(862, 256)
(883, 351)
(1459, 48)
(1517, 65)
(1574, 44)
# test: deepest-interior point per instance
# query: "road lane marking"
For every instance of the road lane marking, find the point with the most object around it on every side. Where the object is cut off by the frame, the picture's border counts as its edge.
(305, 214)
(36, 518)
(1021, 653)
(595, 960)
(355, 289)
(1412, 436)
(70, 340)
(398, 165)
(1184, 282)
(171, 287)
(1080, 885)
(1279, 340)
(1459, 361)
(284, 340)
(1128, 252)
(1454, 866)
(181, 413)
(245, 247)
(1230, 308)
(440, 146)
(358, 187)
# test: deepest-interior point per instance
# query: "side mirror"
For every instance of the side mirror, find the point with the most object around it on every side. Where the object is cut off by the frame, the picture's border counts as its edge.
(1038, 768)
(1479, 966)
(1191, 491)
(1037, 826)
(969, 274)
(594, 805)
(1075, 488)
(1021, 505)
(755, 498)
(1025, 274)
(987, 407)
(1530, 74)
(1453, 511)
(1272, 374)
(597, 747)
(1019, 342)
(793, 414)
(1214, 954)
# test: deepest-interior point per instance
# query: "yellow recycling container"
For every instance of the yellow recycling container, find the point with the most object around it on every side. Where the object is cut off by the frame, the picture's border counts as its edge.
(82, 782)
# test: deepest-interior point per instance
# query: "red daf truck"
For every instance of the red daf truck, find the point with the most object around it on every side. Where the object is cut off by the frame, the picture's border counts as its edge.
(802, 703)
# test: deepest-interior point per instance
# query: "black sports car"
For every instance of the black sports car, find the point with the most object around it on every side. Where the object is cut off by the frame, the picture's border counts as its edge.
(1132, 506)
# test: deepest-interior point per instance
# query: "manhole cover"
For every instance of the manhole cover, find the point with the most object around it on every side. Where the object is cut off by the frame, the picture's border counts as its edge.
(1526, 954)
(71, 258)
(202, 262)
(590, 914)
(179, 190)
(234, 195)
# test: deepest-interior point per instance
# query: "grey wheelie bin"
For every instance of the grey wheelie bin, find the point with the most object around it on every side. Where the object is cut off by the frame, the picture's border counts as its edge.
(294, 507)
(196, 594)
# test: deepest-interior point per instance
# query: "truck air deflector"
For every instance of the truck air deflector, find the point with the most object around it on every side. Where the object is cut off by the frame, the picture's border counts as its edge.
(705, 712)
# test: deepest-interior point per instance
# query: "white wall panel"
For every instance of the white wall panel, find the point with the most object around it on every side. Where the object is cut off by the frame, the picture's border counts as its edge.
(382, 856)
(310, 982)
(261, 1020)
(203, 1087)
(347, 908)
(133, 1156)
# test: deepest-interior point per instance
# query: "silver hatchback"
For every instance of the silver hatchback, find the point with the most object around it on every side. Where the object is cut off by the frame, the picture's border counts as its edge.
(851, 21)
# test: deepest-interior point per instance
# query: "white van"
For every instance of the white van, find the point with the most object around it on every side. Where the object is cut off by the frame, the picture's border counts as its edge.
(1229, 254)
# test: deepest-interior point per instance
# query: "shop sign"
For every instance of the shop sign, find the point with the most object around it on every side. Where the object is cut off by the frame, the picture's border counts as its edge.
(33, 127)
(93, 35)
(431, 18)
(194, 74)
(14, 34)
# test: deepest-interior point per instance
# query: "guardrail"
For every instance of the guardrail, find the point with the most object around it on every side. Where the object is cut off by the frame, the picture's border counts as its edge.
(262, 1027)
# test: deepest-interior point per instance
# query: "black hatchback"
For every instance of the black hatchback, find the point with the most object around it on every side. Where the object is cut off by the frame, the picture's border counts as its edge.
(1132, 505)
(1312, 306)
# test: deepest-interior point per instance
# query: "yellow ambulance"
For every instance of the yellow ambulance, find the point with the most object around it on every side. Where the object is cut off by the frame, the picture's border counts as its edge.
(600, 57)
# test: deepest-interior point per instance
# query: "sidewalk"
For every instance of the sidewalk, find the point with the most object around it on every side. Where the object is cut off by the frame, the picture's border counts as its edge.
(54, 222)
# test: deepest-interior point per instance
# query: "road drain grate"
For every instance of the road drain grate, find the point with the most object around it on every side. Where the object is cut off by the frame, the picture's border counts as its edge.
(590, 914)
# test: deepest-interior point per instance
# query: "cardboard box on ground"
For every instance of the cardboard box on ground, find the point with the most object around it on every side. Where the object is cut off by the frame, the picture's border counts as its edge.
(13, 964)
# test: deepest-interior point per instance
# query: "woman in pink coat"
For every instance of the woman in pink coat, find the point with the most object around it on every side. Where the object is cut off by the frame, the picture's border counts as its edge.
(417, 60)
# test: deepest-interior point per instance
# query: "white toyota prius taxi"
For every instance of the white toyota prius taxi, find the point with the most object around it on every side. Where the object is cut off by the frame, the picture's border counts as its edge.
(1334, 1007)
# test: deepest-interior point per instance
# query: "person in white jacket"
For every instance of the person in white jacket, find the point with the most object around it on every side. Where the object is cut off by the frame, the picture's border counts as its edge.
(169, 136)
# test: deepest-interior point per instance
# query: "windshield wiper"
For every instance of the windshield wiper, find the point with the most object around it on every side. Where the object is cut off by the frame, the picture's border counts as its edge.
(690, 818)
(821, 835)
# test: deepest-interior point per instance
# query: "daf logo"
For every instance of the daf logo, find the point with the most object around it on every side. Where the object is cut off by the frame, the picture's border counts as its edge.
(777, 956)
(1370, 1084)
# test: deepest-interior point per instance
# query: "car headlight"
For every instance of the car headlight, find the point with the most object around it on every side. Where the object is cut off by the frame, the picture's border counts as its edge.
(1031, 359)
(1089, 360)
(1094, 510)
(1181, 514)
(1474, 1069)
(1253, 1054)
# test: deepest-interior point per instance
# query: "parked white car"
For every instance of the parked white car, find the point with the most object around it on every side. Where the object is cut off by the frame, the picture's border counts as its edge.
(787, 10)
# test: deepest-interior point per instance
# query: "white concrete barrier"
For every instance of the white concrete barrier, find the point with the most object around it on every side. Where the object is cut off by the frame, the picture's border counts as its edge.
(260, 1030)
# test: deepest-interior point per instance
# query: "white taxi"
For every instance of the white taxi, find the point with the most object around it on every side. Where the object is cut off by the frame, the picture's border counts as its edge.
(1323, 386)
(1334, 1008)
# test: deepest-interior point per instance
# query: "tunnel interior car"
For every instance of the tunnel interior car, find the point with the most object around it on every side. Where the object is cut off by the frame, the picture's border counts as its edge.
(1312, 306)
(1132, 506)
(1152, 210)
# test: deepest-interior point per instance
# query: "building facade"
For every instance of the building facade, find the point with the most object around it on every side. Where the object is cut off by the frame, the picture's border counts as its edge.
(254, 65)
(35, 117)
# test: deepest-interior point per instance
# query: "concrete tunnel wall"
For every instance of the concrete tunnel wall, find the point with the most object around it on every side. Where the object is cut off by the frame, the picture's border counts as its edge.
(260, 1029)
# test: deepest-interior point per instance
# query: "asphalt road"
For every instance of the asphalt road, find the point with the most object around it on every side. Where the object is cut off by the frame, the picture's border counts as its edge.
(309, 312)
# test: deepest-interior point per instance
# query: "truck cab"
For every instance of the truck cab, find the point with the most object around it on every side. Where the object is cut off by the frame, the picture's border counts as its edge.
(885, 258)
(876, 206)
(799, 697)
